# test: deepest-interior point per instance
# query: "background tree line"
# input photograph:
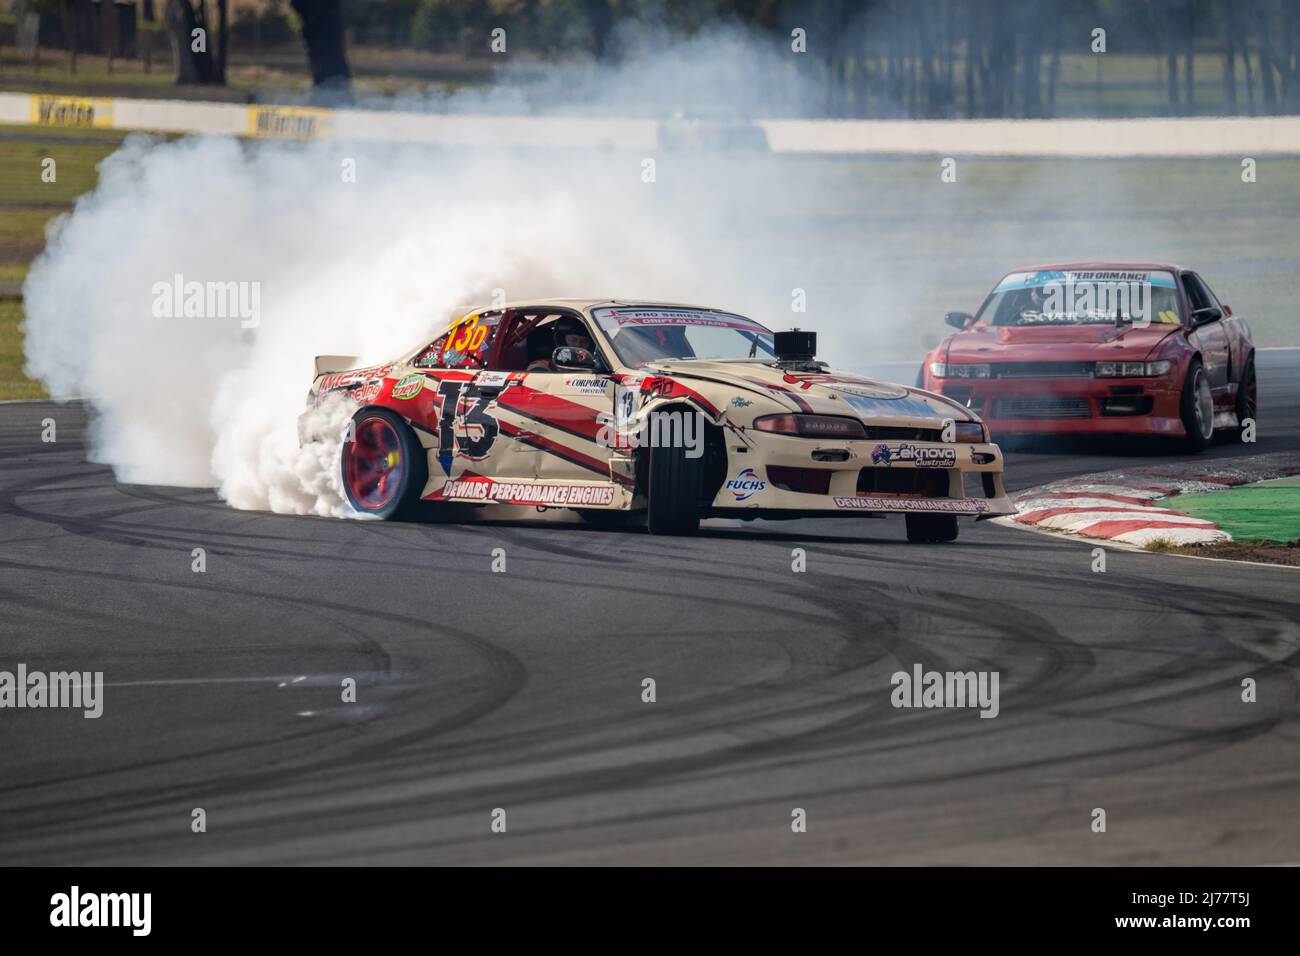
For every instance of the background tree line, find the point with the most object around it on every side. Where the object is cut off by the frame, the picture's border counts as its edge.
(867, 58)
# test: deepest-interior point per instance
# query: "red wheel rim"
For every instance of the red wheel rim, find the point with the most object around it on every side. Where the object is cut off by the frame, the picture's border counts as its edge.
(372, 464)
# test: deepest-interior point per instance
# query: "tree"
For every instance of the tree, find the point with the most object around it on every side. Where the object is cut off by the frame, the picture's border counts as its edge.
(196, 61)
(322, 33)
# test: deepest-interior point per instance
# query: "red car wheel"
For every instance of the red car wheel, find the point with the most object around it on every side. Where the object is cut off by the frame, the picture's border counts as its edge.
(384, 466)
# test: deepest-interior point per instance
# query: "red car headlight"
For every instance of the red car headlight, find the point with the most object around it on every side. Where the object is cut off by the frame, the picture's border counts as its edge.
(812, 426)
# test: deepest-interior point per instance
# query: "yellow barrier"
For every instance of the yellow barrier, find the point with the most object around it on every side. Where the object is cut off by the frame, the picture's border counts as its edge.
(72, 112)
(290, 122)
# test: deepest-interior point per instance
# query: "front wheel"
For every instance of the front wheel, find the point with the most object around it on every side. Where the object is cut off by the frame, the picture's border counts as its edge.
(1197, 408)
(673, 498)
(931, 529)
(384, 467)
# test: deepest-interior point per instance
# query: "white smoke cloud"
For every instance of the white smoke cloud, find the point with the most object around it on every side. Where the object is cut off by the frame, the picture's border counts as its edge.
(372, 267)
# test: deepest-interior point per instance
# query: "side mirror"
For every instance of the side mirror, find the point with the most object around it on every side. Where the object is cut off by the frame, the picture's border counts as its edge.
(1227, 309)
(1206, 315)
(958, 320)
(568, 357)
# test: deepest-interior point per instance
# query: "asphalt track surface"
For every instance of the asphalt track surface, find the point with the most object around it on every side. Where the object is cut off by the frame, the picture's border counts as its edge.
(523, 690)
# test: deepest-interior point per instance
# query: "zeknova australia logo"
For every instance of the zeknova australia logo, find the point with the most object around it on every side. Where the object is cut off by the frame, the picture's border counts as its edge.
(882, 454)
(746, 484)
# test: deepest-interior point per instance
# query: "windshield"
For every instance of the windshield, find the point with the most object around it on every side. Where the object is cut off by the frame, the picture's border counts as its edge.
(641, 335)
(1075, 298)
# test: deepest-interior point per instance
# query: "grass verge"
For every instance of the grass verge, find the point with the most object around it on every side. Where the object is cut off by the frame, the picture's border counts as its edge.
(1257, 550)
(13, 383)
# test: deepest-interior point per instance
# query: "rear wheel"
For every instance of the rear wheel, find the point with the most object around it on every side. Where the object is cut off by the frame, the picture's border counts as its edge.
(1247, 395)
(673, 498)
(931, 529)
(1197, 408)
(384, 467)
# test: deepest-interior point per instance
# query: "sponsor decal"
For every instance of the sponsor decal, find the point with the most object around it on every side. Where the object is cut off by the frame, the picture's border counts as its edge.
(921, 457)
(955, 505)
(492, 379)
(1027, 280)
(409, 387)
(585, 384)
(611, 319)
(739, 402)
(528, 493)
(290, 122)
(746, 484)
(352, 377)
(71, 111)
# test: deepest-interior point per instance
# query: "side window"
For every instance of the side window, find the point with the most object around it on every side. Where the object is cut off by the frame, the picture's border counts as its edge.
(1210, 297)
(465, 345)
(1197, 294)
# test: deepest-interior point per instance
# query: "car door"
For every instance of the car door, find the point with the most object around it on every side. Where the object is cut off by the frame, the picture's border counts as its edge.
(560, 416)
(1208, 335)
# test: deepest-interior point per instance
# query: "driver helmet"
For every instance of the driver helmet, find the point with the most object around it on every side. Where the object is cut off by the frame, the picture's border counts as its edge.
(570, 333)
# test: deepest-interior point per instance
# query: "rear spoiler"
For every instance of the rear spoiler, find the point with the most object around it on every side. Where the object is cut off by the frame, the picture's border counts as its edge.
(334, 363)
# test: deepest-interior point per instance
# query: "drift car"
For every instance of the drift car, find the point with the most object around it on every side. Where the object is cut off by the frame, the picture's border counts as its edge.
(1099, 348)
(623, 410)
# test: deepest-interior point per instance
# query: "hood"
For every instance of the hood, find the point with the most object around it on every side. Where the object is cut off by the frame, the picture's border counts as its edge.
(1055, 343)
(817, 393)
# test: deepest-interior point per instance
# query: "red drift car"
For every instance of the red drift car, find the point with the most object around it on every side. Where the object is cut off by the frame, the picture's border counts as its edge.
(1099, 348)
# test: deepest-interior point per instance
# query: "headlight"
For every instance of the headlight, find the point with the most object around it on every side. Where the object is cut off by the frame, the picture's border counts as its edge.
(944, 370)
(1133, 369)
(970, 432)
(811, 426)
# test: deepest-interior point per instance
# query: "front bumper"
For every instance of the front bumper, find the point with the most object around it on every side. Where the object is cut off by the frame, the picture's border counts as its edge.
(808, 476)
(1066, 406)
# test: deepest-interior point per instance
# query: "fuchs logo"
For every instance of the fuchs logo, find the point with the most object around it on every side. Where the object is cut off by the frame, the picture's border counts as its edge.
(409, 387)
(745, 485)
(920, 457)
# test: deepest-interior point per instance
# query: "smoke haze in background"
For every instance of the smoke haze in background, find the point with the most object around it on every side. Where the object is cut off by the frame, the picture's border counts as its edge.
(371, 268)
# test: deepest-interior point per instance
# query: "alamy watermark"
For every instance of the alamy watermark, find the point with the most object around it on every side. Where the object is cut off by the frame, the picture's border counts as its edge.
(75, 690)
(179, 299)
(627, 429)
(1129, 299)
(922, 688)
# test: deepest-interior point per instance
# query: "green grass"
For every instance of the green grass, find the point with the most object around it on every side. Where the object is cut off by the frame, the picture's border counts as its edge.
(74, 165)
(13, 383)
(1267, 511)
(27, 203)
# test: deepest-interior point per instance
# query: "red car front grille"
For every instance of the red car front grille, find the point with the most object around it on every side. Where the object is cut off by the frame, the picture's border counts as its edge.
(1045, 407)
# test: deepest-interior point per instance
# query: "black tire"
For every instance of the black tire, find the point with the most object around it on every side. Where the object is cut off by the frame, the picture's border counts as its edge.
(1247, 395)
(402, 501)
(608, 519)
(673, 498)
(931, 528)
(1192, 409)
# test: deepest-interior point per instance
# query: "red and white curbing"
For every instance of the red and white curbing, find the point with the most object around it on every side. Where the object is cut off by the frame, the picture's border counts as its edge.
(1128, 506)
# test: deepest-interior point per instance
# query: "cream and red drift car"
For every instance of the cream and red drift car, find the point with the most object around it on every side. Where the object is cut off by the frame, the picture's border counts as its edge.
(625, 411)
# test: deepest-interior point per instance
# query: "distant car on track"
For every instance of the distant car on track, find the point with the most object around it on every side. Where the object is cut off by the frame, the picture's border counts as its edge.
(621, 410)
(1099, 348)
